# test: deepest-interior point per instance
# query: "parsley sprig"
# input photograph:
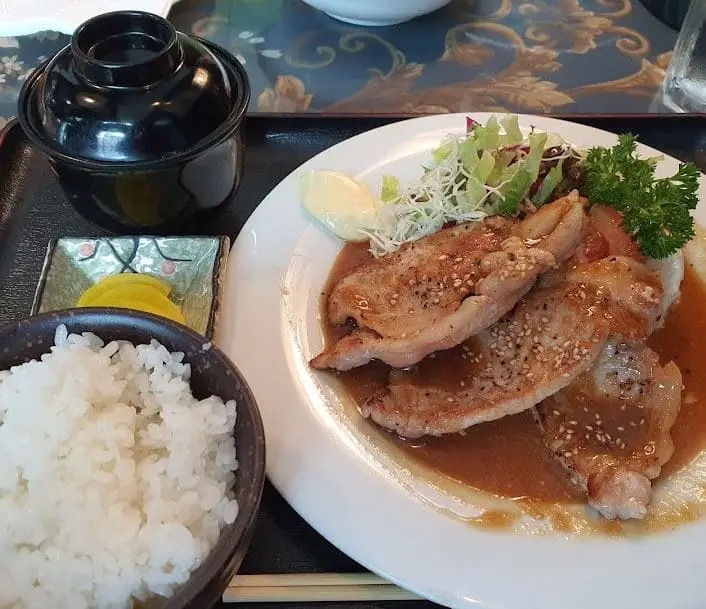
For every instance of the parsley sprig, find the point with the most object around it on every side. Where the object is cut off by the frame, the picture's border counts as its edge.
(656, 211)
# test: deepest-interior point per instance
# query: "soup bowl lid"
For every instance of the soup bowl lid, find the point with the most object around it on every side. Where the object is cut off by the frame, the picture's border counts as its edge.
(129, 90)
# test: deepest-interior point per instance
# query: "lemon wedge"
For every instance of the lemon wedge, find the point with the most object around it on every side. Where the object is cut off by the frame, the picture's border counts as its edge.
(342, 204)
(124, 279)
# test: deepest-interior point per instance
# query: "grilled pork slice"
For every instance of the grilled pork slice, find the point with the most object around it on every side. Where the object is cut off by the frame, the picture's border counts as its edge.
(436, 292)
(553, 335)
(634, 291)
(611, 428)
(548, 340)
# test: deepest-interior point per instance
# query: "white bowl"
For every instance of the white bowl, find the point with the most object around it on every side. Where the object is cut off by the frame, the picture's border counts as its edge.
(376, 12)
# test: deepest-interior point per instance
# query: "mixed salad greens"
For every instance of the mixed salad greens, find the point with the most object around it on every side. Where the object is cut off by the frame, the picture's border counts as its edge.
(497, 169)
(494, 169)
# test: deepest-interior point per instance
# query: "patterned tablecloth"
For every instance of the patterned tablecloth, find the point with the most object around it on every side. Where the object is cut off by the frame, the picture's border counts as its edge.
(535, 56)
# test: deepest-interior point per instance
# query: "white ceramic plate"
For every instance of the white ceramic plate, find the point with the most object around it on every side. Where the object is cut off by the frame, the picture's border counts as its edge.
(360, 495)
(22, 17)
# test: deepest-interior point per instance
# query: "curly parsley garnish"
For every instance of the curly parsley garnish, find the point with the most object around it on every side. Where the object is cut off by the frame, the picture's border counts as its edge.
(656, 212)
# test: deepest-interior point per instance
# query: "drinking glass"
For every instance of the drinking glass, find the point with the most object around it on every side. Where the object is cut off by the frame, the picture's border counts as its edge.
(685, 84)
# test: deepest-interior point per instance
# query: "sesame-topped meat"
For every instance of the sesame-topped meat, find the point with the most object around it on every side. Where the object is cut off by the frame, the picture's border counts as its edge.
(436, 292)
(554, 334)
(547, 341)
(611, 427)
(635, 289)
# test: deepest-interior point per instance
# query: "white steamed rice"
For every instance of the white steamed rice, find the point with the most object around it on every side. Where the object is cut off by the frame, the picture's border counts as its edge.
(113, 476)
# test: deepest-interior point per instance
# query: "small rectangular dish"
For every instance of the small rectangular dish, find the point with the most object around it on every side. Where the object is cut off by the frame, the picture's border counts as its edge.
(193, 266)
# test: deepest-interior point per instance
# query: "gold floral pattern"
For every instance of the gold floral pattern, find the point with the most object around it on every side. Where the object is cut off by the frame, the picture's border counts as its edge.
(472, 54)
(663, 60)
(643, 83)
(563, 23)
(556, 56)
(289, 95)
(503, 68)
(517, 86)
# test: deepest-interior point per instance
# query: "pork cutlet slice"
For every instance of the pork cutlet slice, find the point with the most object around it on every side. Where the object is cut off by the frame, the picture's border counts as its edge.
(436, 292)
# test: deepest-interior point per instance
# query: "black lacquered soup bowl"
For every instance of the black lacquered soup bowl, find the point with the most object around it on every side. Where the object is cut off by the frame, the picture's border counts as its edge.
(141, 124)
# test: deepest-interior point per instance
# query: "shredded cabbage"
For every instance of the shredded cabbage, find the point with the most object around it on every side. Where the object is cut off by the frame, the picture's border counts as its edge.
(489, 170)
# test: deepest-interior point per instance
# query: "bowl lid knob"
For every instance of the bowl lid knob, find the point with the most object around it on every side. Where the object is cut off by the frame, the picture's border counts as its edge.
(125, 49)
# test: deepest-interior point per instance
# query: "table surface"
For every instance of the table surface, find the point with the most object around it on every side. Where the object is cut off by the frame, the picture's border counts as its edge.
(533, 56)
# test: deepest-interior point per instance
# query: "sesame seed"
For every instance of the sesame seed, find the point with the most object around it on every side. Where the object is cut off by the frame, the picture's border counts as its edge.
(443, 257)
(449, 399)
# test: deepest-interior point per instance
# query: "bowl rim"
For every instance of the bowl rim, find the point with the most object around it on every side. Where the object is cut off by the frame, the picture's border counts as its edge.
(26, 107)
(213, 567)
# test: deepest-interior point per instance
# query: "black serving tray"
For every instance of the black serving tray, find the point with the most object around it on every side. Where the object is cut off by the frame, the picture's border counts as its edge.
(33, 211)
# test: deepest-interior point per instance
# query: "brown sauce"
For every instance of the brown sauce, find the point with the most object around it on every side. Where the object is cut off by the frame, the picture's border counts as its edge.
(507, 457)
(683, 341)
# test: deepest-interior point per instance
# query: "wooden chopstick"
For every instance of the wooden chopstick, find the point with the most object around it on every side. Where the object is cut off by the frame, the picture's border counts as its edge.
(300, 587)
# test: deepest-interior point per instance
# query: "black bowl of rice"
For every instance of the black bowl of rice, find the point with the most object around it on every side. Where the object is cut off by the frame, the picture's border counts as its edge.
(132, 461)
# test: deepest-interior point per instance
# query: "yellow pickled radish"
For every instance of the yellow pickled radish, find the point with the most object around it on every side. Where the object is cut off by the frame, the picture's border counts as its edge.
(138, 305)
(173, 312)
(112, 281)
(157, 303)
(135, 291)
(139, 297)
